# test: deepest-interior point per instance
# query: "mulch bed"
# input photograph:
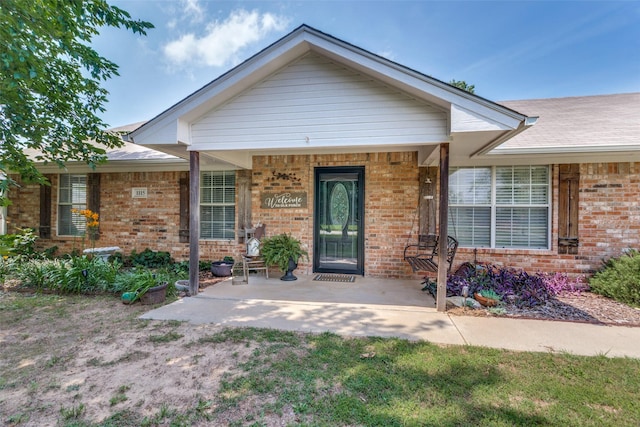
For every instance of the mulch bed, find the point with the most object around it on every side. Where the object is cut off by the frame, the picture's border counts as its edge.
(584, 307)
(208, 279)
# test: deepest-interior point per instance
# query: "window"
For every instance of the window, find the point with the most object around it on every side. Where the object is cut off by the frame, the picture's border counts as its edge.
(72, 195)
(217, 205)
(500, 207)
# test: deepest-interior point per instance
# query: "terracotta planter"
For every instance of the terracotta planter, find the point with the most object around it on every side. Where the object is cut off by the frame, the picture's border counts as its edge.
(487, 302)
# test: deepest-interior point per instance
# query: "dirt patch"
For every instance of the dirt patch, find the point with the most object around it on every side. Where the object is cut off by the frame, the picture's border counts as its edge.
(207, 279)
(92, 355)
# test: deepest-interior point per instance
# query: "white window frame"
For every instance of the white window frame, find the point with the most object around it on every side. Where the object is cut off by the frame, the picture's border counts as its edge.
(228, 225)
(79, 221)
(494, 206)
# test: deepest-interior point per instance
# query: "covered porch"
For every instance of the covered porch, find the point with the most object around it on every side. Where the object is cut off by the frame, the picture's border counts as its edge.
(311, 101)
(363, 291)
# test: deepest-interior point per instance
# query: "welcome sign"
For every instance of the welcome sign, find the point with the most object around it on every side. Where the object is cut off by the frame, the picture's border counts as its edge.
(285, 200)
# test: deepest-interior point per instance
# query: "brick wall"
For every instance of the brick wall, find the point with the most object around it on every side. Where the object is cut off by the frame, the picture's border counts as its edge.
(609, 213)
(127, 222)
(24, 211)
(609, 223)
(391, 196)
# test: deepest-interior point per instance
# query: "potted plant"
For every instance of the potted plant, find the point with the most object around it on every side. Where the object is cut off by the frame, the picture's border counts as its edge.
(222, 268)
(142, 285)
(283, 251)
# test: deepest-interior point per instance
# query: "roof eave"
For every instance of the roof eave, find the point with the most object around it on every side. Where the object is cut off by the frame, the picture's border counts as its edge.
(304, 39)
(525, 124)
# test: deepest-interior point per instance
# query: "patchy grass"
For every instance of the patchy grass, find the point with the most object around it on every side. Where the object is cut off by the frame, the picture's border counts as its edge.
(164, 338)
(396, 383)
(247, 376)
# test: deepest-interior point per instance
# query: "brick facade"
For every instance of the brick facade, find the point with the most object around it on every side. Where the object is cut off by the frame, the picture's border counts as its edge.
(127, 222)
(609, 220)
(391, 198)
(609, 223)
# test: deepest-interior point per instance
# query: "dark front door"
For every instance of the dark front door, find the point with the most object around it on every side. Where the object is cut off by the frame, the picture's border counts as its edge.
(338, 220)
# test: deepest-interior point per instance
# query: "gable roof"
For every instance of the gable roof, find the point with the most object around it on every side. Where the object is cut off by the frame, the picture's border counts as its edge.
(468, 115)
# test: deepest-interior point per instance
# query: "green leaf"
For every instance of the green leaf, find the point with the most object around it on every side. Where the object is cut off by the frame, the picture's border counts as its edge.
(50, 83)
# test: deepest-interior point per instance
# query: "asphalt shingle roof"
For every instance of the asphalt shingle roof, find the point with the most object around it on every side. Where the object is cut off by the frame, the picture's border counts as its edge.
(579, 122)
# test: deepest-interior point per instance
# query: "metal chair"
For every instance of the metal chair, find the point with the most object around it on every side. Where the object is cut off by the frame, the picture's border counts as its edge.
(423, 256)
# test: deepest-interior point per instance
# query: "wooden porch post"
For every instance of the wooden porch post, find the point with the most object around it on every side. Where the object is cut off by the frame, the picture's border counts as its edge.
(443, 231)
(194, 222)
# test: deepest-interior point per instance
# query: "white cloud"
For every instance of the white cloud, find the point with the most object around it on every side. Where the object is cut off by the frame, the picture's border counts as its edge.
(222, 41)
(193, 9)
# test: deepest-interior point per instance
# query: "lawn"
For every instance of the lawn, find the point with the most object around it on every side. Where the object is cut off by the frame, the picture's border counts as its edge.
(88, 361)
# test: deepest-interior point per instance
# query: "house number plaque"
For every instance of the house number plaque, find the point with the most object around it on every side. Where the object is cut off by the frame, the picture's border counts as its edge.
(284, 200)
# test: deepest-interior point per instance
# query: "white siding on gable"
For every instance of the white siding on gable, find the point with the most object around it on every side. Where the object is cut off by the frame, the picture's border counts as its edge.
(463, 120)
(314, 102)
(153, 136)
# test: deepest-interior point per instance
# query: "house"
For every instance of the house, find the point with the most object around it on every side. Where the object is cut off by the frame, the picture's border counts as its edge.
(352, 153)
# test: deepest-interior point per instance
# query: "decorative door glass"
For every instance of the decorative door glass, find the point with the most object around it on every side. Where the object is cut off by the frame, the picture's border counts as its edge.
(338, 220)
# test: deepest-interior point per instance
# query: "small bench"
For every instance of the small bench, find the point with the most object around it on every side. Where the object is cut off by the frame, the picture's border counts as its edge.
(423, 256)
(102, 253)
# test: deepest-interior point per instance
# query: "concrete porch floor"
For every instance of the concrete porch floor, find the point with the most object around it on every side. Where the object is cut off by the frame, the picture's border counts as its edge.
(363, 291)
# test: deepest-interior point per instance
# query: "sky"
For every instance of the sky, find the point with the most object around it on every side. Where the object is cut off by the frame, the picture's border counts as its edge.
(508, 50)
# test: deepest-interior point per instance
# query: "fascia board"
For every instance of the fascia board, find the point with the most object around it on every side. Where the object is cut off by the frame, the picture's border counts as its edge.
(547, 159)
(565, 150)
(524, 125)
(119, 166)
(316, 143)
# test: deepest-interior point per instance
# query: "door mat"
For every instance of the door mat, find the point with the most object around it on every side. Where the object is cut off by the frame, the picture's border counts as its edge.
(334, 278)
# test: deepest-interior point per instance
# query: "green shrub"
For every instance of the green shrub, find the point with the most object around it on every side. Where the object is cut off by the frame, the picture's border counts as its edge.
(619, 279)
(8, 267)
(87, 275)
(84, 275)
(22, 243)
(38, 274)
(150, 259)
(74, 275)
(181, 269)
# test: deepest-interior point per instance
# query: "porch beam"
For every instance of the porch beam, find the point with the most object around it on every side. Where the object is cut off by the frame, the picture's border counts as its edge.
(443, 230)
(194, 222)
